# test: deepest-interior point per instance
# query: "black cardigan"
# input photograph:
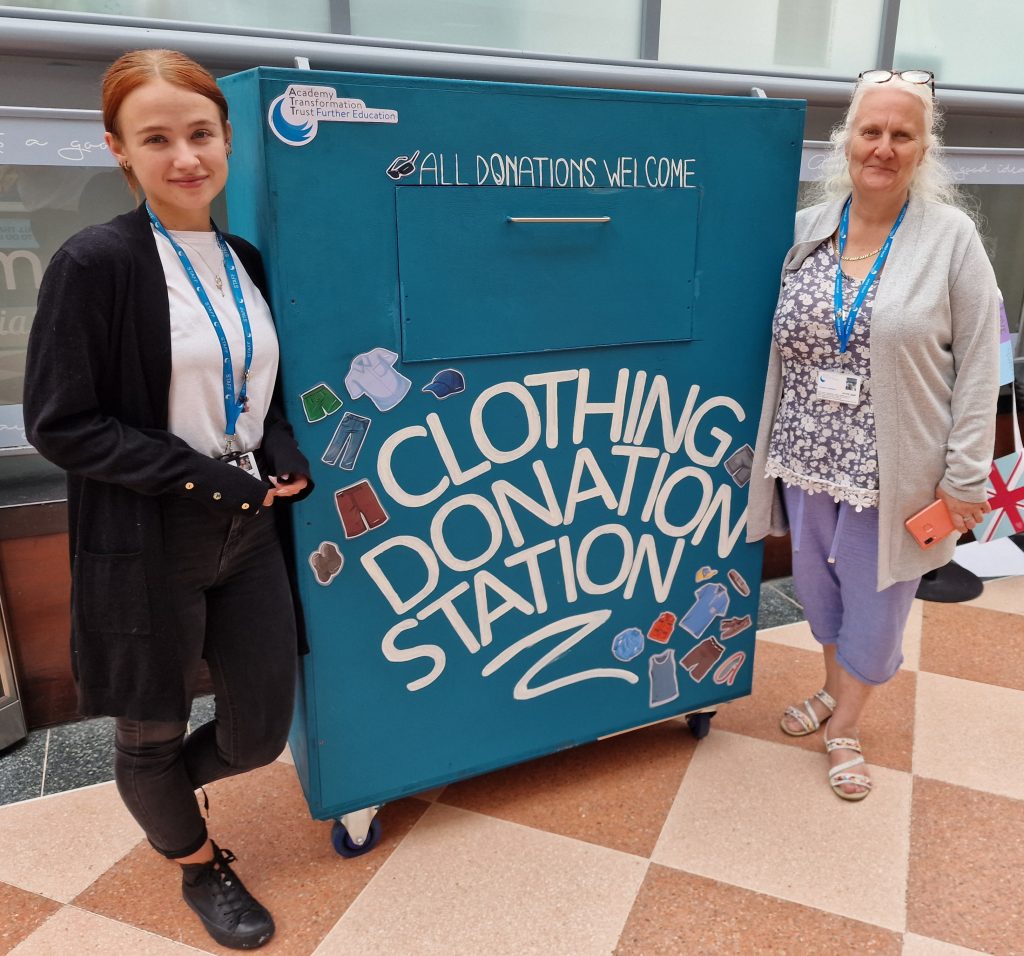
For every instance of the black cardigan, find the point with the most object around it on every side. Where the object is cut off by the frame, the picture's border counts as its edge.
(97, 380)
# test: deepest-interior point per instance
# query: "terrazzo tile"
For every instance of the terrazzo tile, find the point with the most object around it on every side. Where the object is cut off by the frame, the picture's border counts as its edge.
(774, 609)
(796, 635)
(785, 675)
(614, 792)
(80, 754)
(974, 643)
(21, 768)
(761, 815)
(912, 636)
(966, 857)
(203, 709)
(968, 734)
(56, 846)
(73, 932)
(914, 945)
(1005, 594)
(286, 860)
(785, 586)
(20, 913)
(679, 913)
(465, 883)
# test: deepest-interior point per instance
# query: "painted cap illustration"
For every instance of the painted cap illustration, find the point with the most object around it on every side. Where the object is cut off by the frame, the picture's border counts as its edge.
(448, 381)
(704, 573)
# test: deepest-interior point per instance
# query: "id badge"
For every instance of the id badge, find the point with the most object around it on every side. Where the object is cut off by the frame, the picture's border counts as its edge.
(245, 460)
(833, 385)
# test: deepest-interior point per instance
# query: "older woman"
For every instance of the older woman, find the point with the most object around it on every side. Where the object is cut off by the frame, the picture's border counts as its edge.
(880, 397)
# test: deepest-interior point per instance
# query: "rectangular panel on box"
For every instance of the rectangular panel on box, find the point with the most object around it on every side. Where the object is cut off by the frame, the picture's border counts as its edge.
(497, 271)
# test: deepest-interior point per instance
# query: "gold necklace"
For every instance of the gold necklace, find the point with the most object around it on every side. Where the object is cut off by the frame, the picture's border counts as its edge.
(217, 280)
(867, 255)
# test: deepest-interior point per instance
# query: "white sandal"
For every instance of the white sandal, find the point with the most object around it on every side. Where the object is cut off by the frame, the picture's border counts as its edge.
(839, 775)
(807, 718)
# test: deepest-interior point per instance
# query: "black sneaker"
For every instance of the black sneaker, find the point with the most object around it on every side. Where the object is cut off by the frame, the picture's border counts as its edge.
(219, 898)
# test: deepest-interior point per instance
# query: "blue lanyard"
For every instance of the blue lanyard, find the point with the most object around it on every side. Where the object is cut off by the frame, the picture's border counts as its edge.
(232, 407)
(844, 324)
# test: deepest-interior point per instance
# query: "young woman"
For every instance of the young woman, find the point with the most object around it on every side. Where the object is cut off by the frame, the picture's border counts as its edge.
(150, 379)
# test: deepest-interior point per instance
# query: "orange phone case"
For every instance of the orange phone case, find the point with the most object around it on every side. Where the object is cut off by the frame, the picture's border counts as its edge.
(930, 525)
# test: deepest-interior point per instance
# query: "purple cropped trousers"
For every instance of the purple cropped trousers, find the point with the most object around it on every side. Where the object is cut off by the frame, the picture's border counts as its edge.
(835, 573)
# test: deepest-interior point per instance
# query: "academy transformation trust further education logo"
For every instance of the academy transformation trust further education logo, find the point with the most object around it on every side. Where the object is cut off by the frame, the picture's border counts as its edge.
(296, 114)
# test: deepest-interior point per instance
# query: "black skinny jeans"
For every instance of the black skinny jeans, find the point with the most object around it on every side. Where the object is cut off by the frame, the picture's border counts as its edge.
(228, 583)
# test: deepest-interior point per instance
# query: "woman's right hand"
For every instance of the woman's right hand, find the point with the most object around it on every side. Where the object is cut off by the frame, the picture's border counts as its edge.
(965, 514)
(285, 487)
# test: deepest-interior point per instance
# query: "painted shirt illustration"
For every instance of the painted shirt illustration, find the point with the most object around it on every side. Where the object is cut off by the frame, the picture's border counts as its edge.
(712, 601)
(373, 374)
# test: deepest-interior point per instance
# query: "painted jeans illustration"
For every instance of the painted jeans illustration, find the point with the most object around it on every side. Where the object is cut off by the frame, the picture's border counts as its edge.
(347, 441)
(359, 509)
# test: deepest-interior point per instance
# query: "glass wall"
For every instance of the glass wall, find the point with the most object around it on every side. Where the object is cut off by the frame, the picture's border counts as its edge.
(56, 177)
(976, 45)
(964, 46)
(822, 37)
(593, 28)
(312, 15)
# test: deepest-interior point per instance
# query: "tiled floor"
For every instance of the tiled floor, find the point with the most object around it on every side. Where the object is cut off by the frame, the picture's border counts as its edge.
(642, 844)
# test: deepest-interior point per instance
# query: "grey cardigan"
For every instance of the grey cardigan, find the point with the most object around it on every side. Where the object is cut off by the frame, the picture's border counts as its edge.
(934, 378)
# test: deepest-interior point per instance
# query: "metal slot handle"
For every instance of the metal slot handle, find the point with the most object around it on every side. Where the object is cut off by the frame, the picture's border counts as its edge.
(558, 219)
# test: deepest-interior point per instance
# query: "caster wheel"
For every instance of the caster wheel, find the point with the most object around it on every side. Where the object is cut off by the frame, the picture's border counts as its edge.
(699, 725)
(343, 842)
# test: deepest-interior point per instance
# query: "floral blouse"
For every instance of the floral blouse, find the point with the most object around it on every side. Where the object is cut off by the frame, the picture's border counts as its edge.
(822, 446)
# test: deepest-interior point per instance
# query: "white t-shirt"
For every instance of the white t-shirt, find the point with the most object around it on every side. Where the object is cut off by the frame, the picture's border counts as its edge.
(196, 399)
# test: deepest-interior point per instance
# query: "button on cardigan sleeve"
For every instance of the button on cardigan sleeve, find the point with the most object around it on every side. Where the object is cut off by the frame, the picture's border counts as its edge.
(73, 387)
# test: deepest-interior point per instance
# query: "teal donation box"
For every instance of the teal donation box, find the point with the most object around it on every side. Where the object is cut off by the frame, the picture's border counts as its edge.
(524, 334)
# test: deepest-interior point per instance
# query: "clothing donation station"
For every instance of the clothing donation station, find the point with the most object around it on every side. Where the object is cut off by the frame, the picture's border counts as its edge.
(524, 332)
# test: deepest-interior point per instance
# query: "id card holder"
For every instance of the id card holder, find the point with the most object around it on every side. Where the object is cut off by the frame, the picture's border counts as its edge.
(835, 385)
(245, 460)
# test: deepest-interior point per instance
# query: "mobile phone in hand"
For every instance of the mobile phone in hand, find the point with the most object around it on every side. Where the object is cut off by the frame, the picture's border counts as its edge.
(930, 525)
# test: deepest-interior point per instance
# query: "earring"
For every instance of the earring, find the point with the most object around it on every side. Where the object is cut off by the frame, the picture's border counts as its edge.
(228, 149)
(125, 165)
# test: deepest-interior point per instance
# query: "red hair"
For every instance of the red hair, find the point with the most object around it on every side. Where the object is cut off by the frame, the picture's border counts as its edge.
(135, 69)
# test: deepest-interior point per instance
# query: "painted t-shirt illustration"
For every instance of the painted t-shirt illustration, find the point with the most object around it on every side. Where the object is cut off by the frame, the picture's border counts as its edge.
(712, 601)
(373, 374)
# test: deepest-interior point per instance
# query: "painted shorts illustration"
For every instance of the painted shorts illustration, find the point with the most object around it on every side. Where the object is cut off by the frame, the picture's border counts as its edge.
(700, 659)
(359, 509)
(319, 402)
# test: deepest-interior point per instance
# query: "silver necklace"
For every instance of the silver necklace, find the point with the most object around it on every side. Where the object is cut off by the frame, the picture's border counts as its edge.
(217, 280)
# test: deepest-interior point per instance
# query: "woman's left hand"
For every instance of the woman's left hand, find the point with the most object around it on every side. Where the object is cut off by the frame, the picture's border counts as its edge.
(287, 485)
(966, 514)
